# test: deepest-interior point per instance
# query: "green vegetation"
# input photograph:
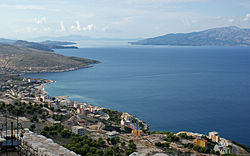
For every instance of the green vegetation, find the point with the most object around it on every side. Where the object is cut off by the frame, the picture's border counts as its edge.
(131, 147)
(66, 133)
(118, 129)
(162, 145)
(162, 132)
(2, 105)
(203, 149)
(34, 118)
(86, 146)
(171, 138)
(58, 117)
(189, 145)
(32, 127)
(228, 155)
(115, 116)
(185, 136)
(55, 130)
(114, 140)
(22, 108)
(208, 149)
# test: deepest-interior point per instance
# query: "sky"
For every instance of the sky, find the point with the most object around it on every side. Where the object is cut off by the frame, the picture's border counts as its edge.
(25, 19)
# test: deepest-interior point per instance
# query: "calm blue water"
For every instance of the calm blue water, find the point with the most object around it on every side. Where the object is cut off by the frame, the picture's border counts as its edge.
(197, 89)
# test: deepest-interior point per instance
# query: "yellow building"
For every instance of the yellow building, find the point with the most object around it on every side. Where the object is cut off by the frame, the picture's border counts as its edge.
(137, 132)
(200, 142)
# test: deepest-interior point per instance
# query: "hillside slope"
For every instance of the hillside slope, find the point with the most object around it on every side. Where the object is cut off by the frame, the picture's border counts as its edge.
(225, 36)
(14, 59)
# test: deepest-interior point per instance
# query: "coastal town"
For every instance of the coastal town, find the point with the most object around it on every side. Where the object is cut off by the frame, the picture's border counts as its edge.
(60, 126)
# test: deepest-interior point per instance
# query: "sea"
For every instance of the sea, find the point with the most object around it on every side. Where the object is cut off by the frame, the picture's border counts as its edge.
(182, 88)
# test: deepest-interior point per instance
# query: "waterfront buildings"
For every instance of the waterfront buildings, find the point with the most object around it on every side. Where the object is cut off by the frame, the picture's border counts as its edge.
(214, 136)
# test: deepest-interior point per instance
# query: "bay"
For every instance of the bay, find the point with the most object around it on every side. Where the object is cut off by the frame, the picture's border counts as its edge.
(198, 89)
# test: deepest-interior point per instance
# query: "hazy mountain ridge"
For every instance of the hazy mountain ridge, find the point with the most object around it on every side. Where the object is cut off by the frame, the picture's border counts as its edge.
(47, 45)
(6, 41)
(225, 36)
(16, 59)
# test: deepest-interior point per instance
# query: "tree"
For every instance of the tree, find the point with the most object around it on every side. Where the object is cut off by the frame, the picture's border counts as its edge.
(108, 152)
(32, 127)
(92, 150)
(52, 108)
(34, 118)
(99, 152)
(123, 144)
(44, 133)
(115, 140)
(158, 144)
(101, 142)
(46, 105)
(65, 133)
(131, 147)
(116, 150)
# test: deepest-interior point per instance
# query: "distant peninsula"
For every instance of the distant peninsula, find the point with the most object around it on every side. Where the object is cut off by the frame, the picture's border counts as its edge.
(17, 60)
(47, 45)
(224, 36)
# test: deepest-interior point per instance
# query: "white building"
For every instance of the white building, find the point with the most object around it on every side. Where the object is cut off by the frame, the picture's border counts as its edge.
(78, 130)
(111, 134)
(214, 136)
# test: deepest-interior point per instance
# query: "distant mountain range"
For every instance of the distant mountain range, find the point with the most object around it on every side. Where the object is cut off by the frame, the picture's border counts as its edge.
(47, 45)
(6, 41)
(225, 36)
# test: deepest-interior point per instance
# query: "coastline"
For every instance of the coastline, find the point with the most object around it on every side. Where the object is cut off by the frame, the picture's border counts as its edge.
(154, 137)
(105, 100)
(236, 146)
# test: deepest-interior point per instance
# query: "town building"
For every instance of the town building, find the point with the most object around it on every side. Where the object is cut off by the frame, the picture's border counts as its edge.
(111, 134)
(136, 130)
(200, 142)
(214, 136)
(78, 130)
(125, 122)
(223, 149)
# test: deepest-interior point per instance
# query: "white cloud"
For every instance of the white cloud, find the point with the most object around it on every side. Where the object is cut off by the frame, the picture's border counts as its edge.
(62, 26)
(247, 17)
(89, 27)
(77, 26)
(40, 20)
(231, 20)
